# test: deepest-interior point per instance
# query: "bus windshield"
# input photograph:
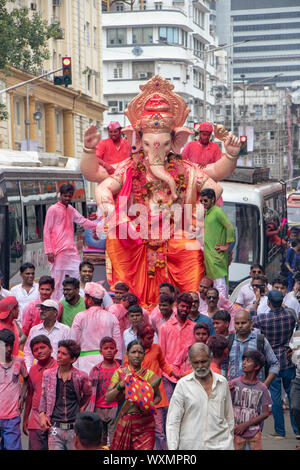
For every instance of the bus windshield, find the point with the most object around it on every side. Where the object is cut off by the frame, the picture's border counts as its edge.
(293, 215)
(245, 219)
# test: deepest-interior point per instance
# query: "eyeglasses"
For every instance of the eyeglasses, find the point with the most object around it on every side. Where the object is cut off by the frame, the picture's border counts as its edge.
(211, 297)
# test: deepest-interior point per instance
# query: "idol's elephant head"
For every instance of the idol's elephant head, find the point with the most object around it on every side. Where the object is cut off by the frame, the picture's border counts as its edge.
(156, 147)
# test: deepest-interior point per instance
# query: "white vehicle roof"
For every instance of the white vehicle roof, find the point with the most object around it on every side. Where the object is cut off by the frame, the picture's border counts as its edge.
(248, 193)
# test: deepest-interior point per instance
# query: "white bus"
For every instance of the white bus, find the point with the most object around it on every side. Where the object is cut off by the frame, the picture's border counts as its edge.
(249, 206)
(29, 185)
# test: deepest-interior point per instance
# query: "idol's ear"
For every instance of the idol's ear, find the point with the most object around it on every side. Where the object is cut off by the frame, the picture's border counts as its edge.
(133, 138)
(180, 136)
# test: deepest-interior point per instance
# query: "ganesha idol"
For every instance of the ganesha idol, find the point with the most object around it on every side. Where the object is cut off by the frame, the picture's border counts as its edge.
(151, 202)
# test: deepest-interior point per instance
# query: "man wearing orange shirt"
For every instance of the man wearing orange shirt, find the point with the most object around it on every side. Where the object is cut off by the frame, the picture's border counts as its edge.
(202, 151)
(113, 150)
(174, 335)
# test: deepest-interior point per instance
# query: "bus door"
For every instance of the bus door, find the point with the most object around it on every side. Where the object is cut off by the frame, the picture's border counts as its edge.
(13, 233)
(275, 233)
(32, 200)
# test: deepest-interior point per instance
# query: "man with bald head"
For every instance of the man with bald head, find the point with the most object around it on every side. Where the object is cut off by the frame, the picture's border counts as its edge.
(244, 339)
(195, 419)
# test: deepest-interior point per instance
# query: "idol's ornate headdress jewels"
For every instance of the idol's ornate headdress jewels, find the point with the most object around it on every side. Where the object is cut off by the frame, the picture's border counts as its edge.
(157, 108)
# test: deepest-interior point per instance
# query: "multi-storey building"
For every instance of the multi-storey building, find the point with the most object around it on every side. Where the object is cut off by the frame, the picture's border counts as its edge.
(170, 38)
(273, 26)
(64, 113)
(269, 111)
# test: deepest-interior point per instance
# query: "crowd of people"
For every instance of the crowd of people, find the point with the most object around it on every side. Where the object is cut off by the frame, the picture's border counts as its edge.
(88, 368)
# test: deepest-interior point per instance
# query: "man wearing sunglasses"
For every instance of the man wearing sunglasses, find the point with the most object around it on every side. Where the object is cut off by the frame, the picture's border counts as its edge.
(246, 295)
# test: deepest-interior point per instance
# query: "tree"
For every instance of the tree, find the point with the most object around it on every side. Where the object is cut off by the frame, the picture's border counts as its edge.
(23, 41)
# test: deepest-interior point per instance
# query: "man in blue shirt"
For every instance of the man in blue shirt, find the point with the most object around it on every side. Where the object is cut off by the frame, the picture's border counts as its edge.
(198, 317)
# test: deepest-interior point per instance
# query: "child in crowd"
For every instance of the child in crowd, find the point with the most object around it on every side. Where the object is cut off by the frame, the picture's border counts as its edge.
(136, 319)
(218, 345)
(100, 377)
(250, 400)
(221, 321)
(12, 393)
(42, 352)
(182, 364)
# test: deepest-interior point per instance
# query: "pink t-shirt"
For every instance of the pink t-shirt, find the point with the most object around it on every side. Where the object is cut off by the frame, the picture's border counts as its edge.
(156, 318)
(173, 337)
(10, 387)
(104, 379)
(35, 382)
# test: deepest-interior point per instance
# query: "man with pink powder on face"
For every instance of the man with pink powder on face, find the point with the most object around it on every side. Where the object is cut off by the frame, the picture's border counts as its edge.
(59, 243)
(113, 150)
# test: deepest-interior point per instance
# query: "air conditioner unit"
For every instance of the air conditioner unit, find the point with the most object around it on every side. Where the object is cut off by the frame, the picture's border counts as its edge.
(142, 75)
(33, 6)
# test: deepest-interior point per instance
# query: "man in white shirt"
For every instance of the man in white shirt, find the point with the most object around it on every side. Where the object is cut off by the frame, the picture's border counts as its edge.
(200, 415)
(28, 290)
(50, 327)
(246, 295)
(3, 292)
(281, 284)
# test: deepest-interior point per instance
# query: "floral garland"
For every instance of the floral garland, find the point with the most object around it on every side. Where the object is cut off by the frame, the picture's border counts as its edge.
(142, 191)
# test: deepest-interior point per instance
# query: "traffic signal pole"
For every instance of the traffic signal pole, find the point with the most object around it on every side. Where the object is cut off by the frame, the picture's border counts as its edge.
(29, 81)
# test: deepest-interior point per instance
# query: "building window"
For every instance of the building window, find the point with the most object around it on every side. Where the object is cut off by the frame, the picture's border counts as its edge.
(116, 36)
(88, 36)
(271, 109)
(142, 35)
(198, 47)
(257, 160)
(89, 82)
(57, 123)
(142, 70)
(95, 38)
(158, 5)
(199, 17)
(271, 159)
(118, 70)
(271, 135)
(198, 79)
(170, 35)
(258, 109)
(120, 6)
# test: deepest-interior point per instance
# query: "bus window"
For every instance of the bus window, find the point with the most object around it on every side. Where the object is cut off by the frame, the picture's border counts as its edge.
(15, 236)
(32, 223)
(31, 191)
(79, 207)
(245, 219)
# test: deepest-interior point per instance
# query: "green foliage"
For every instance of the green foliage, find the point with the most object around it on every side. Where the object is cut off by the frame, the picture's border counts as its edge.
(23, 39)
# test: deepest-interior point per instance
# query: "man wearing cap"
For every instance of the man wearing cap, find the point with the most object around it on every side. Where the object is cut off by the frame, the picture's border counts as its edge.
(31, 313)
(49, 327)
(202, 151)
(278, 326)
(91, 325)
(9, 312)
(110, 152)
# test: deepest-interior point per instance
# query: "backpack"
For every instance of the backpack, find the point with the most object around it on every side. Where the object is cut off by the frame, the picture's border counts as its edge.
(260, 344)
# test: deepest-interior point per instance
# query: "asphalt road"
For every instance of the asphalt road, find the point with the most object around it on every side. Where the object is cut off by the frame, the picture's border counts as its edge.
(269, 443)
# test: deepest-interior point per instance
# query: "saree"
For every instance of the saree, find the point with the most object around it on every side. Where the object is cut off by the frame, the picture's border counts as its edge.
(134, 429)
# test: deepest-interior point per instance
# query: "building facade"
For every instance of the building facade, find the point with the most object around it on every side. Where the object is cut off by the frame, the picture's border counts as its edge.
(64, 113)
(170, 38)
(268, 112)
(273, 28)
